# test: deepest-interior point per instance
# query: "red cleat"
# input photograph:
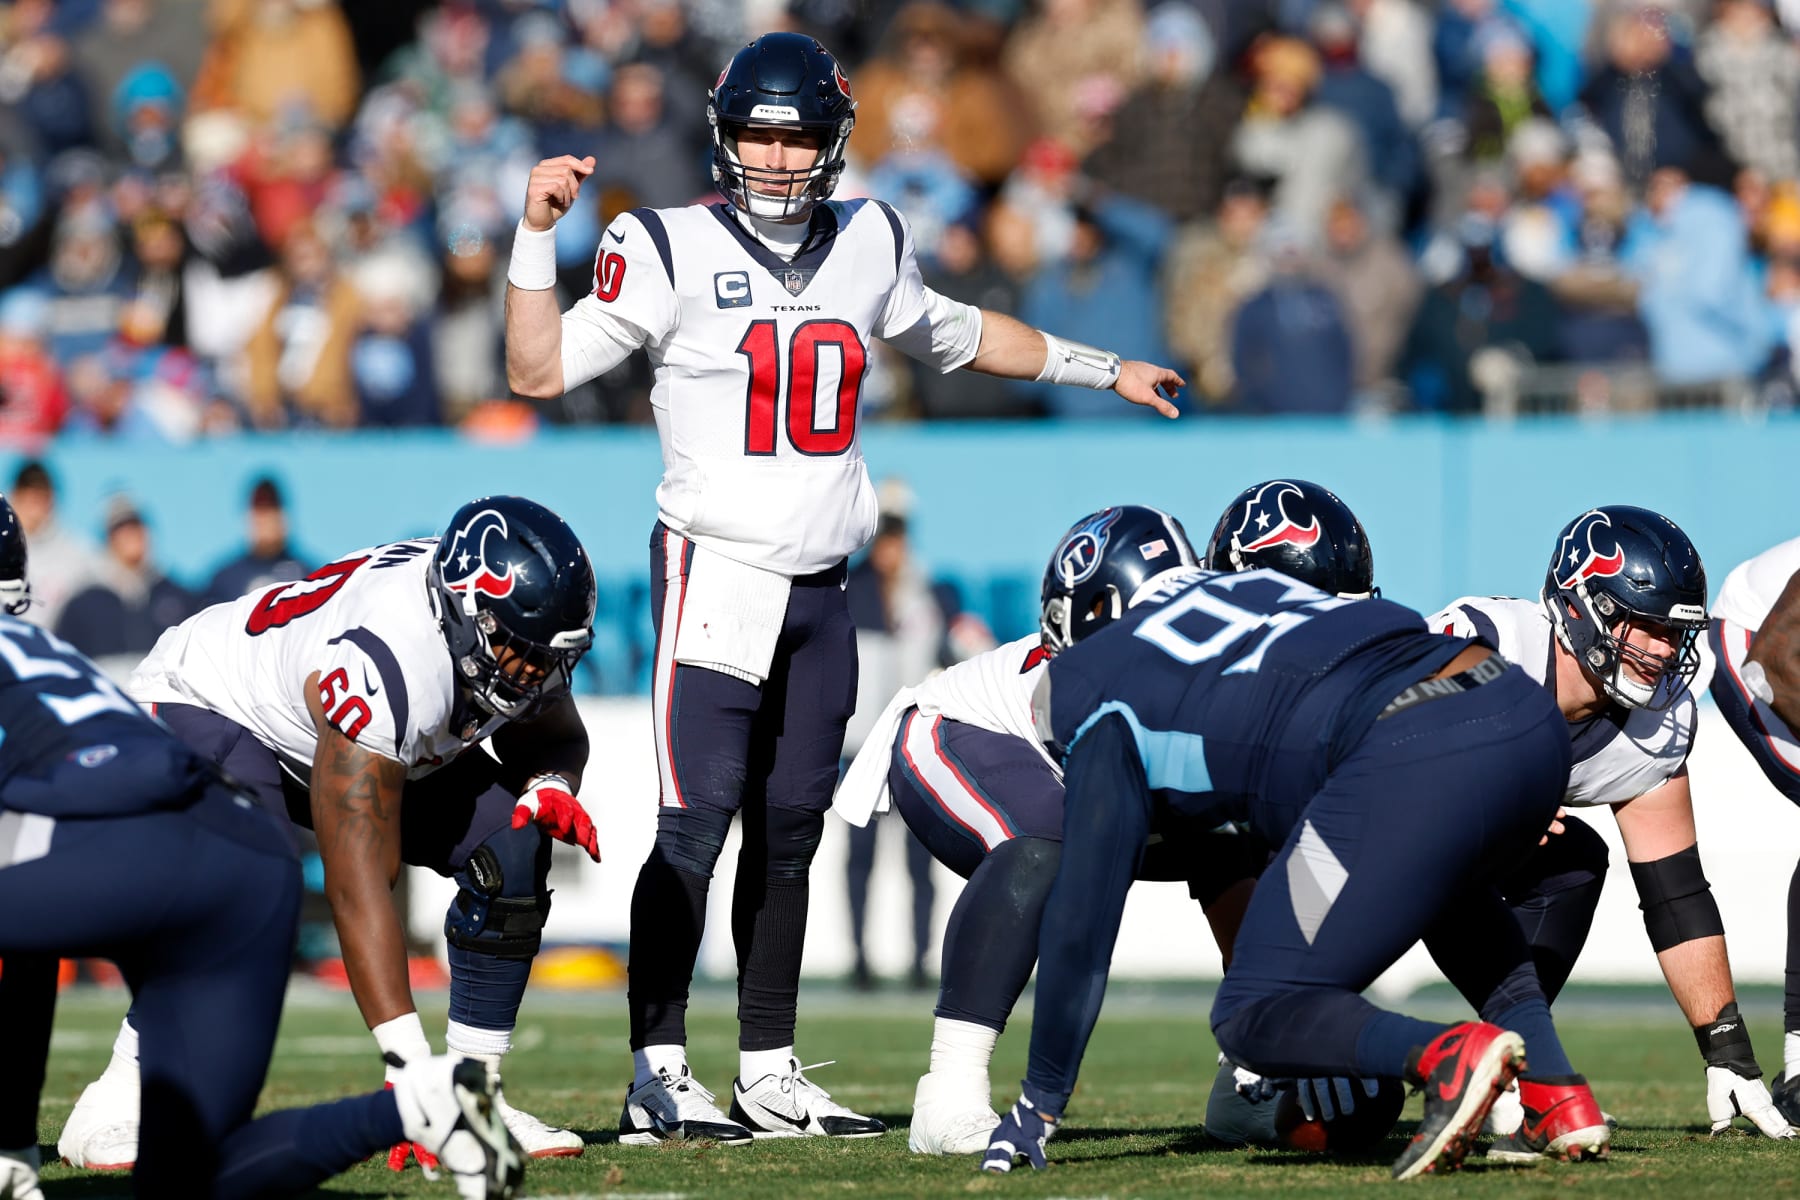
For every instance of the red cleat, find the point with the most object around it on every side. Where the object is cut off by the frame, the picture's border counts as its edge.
(1461, 1071)
(399, 1152)
(1563, 1122)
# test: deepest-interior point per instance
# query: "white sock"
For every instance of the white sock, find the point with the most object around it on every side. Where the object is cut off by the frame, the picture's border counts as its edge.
(962, 1047)
(1790, 1052)
(754, 1064)
(124, 1064)
(651, 1061)
(471, 1042)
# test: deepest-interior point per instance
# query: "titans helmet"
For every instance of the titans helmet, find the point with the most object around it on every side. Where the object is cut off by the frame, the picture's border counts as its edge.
(1100, 567)
(15, 582)
(788, 81)
(514, 591)
(1619, 566)
(1299, 529)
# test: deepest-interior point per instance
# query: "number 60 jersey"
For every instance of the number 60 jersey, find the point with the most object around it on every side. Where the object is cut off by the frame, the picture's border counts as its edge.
(364, 623)
(759, 364)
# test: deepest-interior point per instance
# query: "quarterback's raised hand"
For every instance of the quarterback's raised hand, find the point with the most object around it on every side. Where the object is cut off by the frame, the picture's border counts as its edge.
(555, 809)
(551, 191)
(1024, 1130)
(1150, 385)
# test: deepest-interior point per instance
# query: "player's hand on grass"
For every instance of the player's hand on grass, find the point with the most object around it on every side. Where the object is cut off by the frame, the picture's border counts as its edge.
(1023, 1131)
(549, 803)
(1734, 1086)
(1329, 1099)
(1148, 384)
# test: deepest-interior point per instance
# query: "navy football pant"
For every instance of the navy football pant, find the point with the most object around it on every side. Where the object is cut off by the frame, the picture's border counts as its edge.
(724, 747)
(1407, 837)
(1776, 749)
(462, 809)
(197, 908)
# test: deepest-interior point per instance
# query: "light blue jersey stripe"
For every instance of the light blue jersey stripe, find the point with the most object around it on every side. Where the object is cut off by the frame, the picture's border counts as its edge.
(1171, 759)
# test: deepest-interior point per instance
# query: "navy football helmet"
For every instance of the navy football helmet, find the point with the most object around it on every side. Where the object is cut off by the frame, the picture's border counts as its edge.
(514, 591)
(1300, 529)
(1619, 566)
(15, 583)
(1102, 564)
(789, 81)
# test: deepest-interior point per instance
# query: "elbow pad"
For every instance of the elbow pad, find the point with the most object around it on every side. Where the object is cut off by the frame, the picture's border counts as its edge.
(1676, 899)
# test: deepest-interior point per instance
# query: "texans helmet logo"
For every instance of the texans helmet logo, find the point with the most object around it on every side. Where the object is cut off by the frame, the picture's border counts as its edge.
(1266, 523)
(1079, 555)
(1590, 550)
(842, 80)
(465, 563)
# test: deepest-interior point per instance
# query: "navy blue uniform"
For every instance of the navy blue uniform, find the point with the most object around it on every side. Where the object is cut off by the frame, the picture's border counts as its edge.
(1254, 698)
(122, 843)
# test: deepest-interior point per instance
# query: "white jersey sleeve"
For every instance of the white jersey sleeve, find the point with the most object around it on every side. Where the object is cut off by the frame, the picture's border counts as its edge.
(1621, 753)
(921, 323)
(631, 304)
(992, 691)
(1752, 588)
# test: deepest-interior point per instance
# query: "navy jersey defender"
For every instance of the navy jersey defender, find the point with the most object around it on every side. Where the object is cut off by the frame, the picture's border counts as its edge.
(123, 843)
(1367, 749)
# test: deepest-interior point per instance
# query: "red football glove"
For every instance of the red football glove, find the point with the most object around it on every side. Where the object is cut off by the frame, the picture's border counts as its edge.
(399, 1151)
(560, 814)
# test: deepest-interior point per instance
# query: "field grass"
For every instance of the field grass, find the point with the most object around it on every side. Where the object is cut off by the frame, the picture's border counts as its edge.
(1134, 1129)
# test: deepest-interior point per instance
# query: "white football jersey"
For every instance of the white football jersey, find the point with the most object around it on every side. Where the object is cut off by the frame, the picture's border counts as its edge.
(759, 365)
(991, 691)
(364, 623)
(1619, 754)
(1752, 588)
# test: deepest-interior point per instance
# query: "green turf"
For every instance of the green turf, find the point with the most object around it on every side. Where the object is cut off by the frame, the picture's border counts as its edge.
(1134, 1129)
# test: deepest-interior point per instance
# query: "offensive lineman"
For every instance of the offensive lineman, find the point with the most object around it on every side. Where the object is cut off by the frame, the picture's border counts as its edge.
(757, 316)
(1614, 641)
(1755, 640)
(354, 702)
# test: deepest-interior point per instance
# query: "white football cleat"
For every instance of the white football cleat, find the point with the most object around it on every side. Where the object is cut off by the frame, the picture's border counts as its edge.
(788, 1104)
(1506, 1115)
(101, 1133)
(535, 1137)
(19, 1174)
(447, 1106)
(675, 1108)
(952, 1114)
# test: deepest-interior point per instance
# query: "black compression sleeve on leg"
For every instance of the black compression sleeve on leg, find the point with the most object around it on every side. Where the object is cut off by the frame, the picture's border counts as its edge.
(668, 915)
(768, 921)
(1677, 901)
(27, 1012)
(990, 944)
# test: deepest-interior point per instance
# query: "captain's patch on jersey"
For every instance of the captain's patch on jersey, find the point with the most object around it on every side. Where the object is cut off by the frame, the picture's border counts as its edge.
(732, 289)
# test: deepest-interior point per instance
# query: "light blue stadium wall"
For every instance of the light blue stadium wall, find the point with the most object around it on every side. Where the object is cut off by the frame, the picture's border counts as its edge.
(1452, 507)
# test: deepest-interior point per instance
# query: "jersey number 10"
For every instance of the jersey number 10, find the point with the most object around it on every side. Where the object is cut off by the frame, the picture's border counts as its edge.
(804, 352)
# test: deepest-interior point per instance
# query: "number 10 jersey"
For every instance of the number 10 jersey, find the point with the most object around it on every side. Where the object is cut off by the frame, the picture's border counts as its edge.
(759, 367)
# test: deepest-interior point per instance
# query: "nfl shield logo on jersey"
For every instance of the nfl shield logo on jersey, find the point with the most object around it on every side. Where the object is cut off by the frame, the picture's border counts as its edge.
(795, 282)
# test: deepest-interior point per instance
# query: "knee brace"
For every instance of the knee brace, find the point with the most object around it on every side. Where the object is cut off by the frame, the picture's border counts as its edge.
(793, 839)
(504, 898)
(690, 839)
(1677, 901)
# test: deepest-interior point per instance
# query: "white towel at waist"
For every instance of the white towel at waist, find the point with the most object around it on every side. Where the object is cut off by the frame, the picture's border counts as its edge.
(731, 616)
(863, 792)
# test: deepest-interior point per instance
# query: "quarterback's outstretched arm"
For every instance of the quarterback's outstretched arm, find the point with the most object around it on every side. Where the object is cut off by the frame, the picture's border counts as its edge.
(1012, 349)
(356, 815)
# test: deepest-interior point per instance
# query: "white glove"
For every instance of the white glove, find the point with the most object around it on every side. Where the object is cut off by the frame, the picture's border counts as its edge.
(1325, 1099)
(1730, 1095)
(19, 1174)
(1249, 1084)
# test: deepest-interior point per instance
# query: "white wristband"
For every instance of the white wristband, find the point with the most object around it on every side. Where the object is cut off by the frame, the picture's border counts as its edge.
(533, 266)
(404, 1036)
(1078, 365)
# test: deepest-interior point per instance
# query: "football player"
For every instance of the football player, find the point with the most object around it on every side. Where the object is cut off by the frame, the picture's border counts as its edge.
(124, 843)
(1755, 640)
(354, 702)
(758, 316)
(1615, 640)
(1339, 730)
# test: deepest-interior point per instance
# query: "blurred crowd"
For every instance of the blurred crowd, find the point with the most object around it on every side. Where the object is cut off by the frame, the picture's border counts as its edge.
(221, 215)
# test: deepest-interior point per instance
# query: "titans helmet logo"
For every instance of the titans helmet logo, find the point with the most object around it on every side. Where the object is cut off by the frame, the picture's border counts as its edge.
(1079, 555)
(466, 565)
(1588, 551)
(1265, 522)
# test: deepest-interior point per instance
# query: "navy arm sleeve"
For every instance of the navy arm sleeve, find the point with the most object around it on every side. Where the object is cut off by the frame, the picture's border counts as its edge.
(1106, 819)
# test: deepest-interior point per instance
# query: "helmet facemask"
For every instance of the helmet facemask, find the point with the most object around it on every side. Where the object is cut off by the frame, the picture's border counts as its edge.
(505, 674)
(787, 195)
(1597, 634)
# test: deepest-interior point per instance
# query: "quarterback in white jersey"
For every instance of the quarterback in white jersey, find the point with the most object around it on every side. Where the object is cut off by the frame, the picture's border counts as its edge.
(1616, 640)
(759, 318)
(354, 702)
(1755, 638)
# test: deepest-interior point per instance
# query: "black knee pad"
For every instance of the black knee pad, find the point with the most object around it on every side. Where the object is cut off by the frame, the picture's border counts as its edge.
(793, 839)
(504, 899)
(690, 839)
